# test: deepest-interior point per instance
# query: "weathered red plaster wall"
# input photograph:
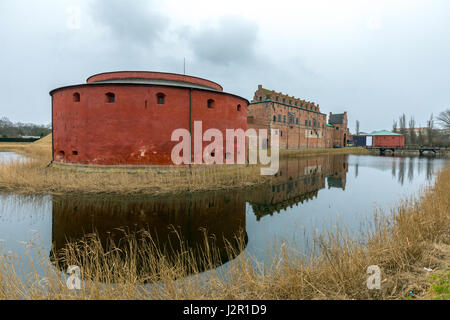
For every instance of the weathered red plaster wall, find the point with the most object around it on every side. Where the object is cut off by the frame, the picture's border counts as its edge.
(134, 130)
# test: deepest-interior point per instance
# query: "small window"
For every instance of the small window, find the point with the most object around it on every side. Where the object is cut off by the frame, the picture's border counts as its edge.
(284, 118)
(309, 122)
(76, 97)
(296, 121)
(62, 153)
(306, 122)
(274, 118)
(279, 118)
(210, 104)
(110, 97)
(290, 101)
(238, 107)
(75, 153)
(160, 97)
(276, 98)
(260, 98)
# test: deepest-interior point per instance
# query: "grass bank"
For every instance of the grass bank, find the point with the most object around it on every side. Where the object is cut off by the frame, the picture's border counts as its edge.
(414, 237)
(34, 176)
(321, 151)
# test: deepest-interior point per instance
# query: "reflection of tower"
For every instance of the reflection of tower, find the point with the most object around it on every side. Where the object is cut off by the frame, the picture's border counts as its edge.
(298, 180)
(168, 219)
(356, 170)
(337, 177)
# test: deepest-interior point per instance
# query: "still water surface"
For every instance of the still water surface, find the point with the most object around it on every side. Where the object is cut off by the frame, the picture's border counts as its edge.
(307, 195)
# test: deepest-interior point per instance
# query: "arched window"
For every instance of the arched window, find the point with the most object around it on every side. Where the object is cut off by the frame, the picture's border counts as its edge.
(160, 98)
(76, 97)
(210, 104)
(274, 118)
(238, 107)
(110, 97)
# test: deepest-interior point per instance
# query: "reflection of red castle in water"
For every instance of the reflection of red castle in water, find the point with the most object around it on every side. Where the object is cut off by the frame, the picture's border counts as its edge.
(193, 221)
(299, 180)
(127, 118)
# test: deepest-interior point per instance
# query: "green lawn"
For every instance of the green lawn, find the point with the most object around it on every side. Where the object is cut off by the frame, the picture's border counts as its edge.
(440, 286)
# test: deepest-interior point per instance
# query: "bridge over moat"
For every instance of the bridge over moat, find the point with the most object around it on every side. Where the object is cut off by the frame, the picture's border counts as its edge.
(420, 149)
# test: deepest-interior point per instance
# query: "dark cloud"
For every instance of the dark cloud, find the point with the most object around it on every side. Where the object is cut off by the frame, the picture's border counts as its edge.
(232, 40)
(134, 23)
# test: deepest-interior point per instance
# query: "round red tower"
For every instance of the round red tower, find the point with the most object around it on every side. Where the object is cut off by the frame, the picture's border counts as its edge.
(127, 118)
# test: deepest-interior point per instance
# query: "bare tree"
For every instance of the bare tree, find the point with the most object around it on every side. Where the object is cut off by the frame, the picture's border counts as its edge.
(402, 124)
(357, 127)
(444, 119)
(420, 138)
(430, 130)
(412, 134)
(394, 126)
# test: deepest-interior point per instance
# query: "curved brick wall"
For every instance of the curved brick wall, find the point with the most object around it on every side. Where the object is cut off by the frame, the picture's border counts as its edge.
(153, 75)
(134, 129)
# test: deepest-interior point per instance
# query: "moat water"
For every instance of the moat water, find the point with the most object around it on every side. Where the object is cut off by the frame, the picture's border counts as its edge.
(308, 196)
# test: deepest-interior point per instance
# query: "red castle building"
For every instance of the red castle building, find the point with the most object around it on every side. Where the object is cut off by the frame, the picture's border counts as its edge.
(127, 118)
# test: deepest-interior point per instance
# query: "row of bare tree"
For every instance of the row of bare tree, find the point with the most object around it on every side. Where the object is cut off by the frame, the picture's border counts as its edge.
(9, 129)
(428, 135)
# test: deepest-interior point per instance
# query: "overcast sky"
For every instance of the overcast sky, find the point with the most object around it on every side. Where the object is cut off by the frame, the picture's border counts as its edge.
(373, 59)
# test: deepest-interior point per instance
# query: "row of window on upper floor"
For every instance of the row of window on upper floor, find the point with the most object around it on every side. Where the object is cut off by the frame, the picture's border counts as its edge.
(160, 99)
(302, 105)
(291, 120)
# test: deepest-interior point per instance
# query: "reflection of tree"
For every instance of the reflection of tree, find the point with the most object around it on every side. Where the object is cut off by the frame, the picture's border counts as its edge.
(429, 169)
(410, 169)
(394, 168)
(401, 171)
(419, 167)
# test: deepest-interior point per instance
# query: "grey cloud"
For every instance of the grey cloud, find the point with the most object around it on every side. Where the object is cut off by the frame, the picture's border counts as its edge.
(135, 22)
(232, 40)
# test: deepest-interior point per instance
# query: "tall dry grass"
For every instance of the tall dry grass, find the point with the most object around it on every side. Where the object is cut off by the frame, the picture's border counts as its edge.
(412, 238)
